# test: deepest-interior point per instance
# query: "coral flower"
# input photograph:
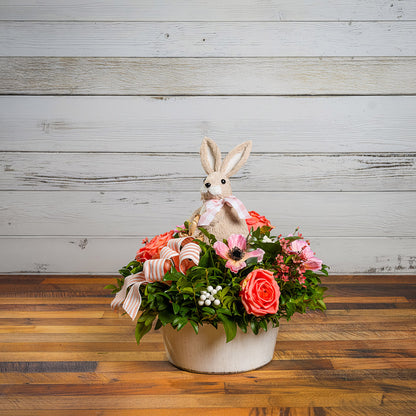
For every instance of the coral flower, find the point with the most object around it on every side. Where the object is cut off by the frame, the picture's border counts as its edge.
(256, 220)
(235, 252)
(152, 248)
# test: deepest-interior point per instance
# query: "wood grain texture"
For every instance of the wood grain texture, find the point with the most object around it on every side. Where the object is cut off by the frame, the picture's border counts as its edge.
(53, 213)
(204, 39)
(183, 172)
(213, 10)
(208, 76)
(348, 361)
(276, 124)
(105, 255)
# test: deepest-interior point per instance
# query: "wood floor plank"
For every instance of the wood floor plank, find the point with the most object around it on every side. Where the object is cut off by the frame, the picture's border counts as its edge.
(318, 396)
(63, 351)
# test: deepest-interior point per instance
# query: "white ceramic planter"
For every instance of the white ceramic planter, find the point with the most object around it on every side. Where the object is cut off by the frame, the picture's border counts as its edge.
(208, 352)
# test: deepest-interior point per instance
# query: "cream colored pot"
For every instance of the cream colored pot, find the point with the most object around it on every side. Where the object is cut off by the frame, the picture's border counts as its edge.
(208, 352)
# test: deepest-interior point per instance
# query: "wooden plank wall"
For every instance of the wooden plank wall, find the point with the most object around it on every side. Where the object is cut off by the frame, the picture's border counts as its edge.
(103, 108)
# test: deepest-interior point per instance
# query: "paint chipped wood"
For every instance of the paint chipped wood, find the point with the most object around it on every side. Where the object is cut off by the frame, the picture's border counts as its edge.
(205, 39)
(276, 124)
(208, 76)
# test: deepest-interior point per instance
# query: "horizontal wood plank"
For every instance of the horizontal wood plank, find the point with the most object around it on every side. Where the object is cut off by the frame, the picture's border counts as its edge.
(320, 397)
(95, 255)
(276, 124)
(182, 171)
(404, 409)
(208, 76)
(204, 39)
(341, 362)
(375, 214)
(213, 10)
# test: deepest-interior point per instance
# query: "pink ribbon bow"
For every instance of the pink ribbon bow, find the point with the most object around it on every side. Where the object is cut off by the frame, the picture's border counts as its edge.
(213, 206)
(181, 252)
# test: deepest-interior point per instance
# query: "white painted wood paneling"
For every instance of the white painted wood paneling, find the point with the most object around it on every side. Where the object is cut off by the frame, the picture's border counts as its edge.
(213, 10)
(177, 124)
(207, 76)
(84, 254)
(164, 173)
(204, 39)
(372, 214)
(103, 107)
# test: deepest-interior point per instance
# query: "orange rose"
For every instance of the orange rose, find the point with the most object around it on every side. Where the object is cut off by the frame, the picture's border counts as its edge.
(260, 293)
(256, 220)
(152, 249)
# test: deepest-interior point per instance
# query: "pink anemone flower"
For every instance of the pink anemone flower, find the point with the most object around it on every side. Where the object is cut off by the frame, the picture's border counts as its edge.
(235, 252)
(310, 262)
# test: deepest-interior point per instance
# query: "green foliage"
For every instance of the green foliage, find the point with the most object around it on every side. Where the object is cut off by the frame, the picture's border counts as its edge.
(174, 301)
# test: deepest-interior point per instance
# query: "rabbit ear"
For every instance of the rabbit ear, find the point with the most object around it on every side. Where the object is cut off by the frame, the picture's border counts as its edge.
(236, 158)
(210, 155)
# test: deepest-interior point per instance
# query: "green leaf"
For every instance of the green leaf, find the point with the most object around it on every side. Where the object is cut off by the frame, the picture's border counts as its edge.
(194, 326)
(141, 330)
(176, 308)
(179, 322)
(188, 290)
(321, 303)
(166, 317)
(229, 326)
(252, 260)
(158, 324)
(124, 272)
(254, 327)
(209, 311)
(224, 311)
(205, 259)
(263, 324)
(211, 237)
(111, 287)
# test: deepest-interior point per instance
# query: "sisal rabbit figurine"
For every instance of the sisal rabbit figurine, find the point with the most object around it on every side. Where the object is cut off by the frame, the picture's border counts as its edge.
(221, 214)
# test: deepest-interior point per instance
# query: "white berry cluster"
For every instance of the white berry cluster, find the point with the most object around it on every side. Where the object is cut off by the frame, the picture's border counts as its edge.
(207, 296)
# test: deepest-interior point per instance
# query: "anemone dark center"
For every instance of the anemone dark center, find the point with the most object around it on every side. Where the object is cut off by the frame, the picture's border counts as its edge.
(236, 253)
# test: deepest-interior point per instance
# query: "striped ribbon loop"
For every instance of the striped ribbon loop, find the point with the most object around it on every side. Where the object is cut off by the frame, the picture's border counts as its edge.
(189, 257)
(130, 302)
(154, 270)
(181, 252)
(178, 243)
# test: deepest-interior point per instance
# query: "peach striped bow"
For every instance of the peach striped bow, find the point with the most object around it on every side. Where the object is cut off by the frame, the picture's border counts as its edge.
(183, 253)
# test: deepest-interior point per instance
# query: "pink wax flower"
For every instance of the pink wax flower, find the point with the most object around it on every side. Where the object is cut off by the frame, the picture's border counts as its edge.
(235, 252)
(305, 253)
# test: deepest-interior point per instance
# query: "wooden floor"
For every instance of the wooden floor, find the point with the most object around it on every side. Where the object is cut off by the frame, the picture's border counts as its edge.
(64, 352)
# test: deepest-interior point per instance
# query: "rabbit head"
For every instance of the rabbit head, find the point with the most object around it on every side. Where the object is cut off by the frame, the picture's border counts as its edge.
(217, 184)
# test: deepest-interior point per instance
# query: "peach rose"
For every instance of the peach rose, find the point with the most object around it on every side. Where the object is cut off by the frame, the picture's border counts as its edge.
(256, 220)
(260, 293)
(152, 249)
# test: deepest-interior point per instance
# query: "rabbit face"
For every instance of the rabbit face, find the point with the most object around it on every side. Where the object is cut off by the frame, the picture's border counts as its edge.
(216, 186)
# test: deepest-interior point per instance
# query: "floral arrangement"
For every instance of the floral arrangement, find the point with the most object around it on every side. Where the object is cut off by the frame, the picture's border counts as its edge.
(244, 281)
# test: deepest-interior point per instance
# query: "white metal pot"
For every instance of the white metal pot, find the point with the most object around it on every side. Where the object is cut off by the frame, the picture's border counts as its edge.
(208, 352)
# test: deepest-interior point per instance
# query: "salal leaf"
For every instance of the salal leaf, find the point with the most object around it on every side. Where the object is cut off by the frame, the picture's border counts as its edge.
(230, 327)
